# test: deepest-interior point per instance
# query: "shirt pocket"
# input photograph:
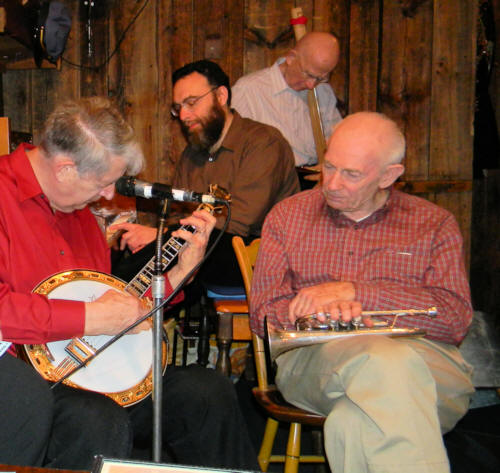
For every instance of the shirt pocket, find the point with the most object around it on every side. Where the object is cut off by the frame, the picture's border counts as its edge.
(402, 265)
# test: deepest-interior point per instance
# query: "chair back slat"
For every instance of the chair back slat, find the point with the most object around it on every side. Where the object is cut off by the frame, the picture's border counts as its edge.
(259, 354)
(247, 256)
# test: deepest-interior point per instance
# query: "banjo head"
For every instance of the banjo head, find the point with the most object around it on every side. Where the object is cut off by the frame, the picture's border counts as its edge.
(122, 371)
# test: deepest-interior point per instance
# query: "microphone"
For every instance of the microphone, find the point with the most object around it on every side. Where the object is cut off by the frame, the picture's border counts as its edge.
(132, 187)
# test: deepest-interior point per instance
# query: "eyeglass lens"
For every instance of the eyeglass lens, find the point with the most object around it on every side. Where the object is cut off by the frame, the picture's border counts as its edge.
(188, 103)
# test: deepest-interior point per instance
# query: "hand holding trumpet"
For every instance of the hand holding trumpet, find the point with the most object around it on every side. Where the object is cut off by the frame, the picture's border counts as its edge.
(337, 299)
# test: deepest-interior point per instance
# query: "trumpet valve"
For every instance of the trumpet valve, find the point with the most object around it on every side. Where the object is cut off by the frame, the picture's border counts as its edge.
(310, 322)
(343, 326)
(333, 324)
(356, 323)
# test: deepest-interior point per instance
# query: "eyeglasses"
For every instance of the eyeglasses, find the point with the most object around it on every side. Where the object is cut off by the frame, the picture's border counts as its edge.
(309, 76)
(188, 103)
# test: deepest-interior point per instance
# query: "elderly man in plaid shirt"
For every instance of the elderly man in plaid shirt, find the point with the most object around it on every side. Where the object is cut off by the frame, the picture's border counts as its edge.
(356, 243)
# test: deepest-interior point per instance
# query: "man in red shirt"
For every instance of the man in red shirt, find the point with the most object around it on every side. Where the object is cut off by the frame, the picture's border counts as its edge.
(356, 243)
(45, 228)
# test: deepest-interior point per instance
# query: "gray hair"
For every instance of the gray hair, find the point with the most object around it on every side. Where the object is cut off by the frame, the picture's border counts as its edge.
(91, 131)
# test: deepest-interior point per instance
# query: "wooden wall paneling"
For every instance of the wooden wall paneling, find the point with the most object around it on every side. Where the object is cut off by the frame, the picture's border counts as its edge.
(209, 31)
(136, 82)
(452, 103)
(405, 77)
(113, 66)
(182, 14)
(218, 27)
(268, 34)
(454, 47)
(164, 164)
(181, 52)
(94, 41)
(485, 244)
(321, 16)
(44, 98)
(234, 19)
(460, 205)
(142, 85)
(364, 34)
(335, 16)
(49, 88)
(494, 88)
(17, 100)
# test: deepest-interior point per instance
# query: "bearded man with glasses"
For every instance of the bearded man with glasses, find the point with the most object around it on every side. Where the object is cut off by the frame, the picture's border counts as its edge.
(253, 161)
(277, 95)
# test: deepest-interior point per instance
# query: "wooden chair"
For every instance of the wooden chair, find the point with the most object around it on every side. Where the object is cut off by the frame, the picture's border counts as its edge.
(4, 136)
(232, 322)
(267, 395)
(228, 302)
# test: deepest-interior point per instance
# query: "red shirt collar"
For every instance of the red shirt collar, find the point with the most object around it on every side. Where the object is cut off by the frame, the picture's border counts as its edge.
(27, 183)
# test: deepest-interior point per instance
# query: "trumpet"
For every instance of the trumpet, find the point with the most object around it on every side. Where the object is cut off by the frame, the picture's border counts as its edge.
(312, 330)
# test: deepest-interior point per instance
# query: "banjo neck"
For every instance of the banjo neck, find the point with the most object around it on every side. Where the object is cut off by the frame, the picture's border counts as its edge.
(122, 371)
(169, 251)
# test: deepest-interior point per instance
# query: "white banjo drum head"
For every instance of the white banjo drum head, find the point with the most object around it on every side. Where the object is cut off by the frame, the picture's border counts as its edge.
(122, 370)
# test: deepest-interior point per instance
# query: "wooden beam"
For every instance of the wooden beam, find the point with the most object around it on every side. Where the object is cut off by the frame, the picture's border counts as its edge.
(424, 187)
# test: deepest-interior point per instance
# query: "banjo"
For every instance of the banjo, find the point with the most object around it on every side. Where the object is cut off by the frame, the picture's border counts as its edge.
(124, 370)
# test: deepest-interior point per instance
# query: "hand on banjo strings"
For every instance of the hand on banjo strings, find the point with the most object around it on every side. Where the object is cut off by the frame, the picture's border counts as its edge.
(134, 236)
(196, 244)
(113, 312)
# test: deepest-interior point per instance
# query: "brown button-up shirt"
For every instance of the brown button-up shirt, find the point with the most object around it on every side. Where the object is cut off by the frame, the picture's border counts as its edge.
(254, 163)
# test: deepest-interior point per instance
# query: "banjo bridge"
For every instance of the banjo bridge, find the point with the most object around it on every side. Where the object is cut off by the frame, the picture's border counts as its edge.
(79, 350)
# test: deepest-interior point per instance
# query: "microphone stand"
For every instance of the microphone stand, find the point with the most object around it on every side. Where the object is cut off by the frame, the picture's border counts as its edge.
(157, 368)
(158, 293)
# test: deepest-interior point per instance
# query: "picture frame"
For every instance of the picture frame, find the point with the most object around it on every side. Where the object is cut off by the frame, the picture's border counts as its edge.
(114, 465)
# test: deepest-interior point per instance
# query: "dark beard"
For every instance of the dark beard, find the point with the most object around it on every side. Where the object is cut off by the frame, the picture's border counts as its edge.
(210, 132)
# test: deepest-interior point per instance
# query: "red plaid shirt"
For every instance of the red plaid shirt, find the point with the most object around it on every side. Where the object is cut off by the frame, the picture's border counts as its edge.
(407, 254)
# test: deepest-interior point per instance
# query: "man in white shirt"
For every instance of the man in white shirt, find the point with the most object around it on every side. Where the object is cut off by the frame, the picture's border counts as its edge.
(277, 95)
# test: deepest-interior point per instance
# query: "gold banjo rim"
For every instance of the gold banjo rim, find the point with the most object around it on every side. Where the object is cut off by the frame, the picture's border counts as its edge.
(49, 284)
(36, 353)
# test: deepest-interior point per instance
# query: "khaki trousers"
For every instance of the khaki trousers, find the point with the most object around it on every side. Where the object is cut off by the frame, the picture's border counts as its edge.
(387, 401)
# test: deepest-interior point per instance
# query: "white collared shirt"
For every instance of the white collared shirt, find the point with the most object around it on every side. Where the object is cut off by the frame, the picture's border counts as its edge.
(265, 96)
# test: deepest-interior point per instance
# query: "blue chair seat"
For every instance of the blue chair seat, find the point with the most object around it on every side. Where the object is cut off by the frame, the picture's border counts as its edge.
(225, 292)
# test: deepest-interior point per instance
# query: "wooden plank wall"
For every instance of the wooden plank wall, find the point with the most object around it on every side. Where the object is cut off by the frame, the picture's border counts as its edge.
(494, 88)
(411, 59)
(485, 241)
